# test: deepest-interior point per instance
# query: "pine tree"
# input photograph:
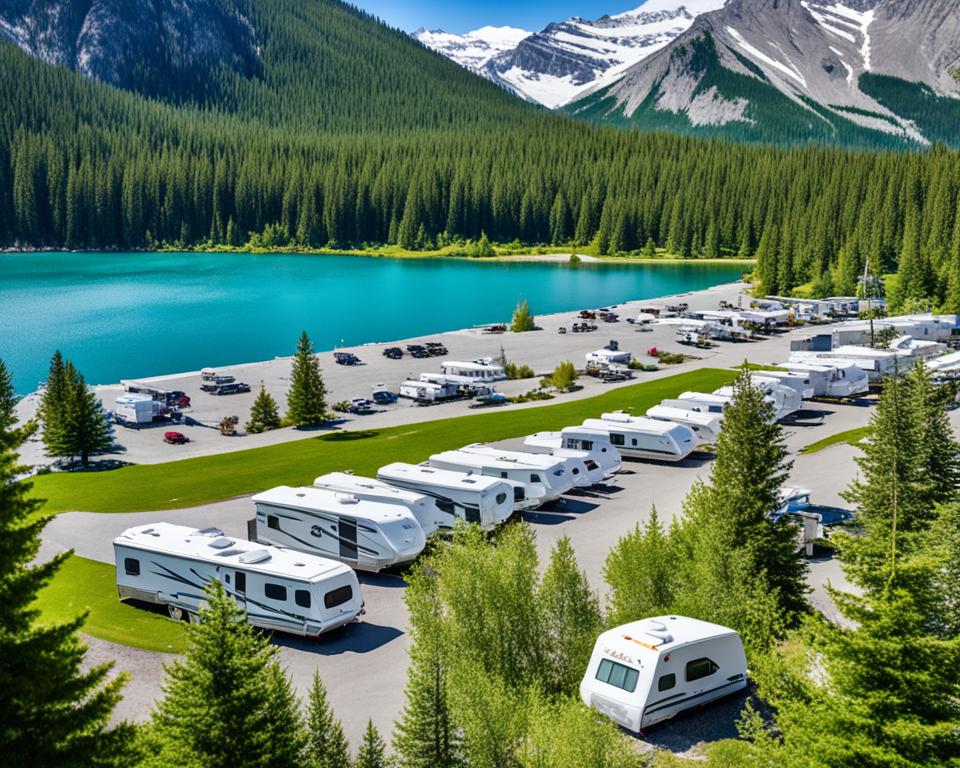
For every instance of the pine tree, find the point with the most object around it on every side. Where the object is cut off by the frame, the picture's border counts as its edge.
(939, 451)
(87, 430)
(8, 412)
(326, 745)
(426, 736)
(523, 320)
(641, 572)
(571, 619)
(53, 711)
(53, 405)
(264, 414)
(306, 406)
(372, 752)
(227, 702)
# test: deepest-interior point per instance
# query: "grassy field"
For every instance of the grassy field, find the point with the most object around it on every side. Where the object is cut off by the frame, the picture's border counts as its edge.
(206, 479)
(851, 437)
(89, 586)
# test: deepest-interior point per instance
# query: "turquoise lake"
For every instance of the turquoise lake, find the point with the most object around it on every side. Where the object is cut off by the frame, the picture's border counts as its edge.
(129, 315)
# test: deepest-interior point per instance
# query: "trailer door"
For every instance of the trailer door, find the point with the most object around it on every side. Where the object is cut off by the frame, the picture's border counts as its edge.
(236, 586)
(347, 532)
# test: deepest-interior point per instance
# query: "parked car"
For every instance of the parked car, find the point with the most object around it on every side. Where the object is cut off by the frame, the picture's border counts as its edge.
(361, 406)
(418, 350)
(231, 389)
(346, 358)
(213, 383)
(175, 438)
(384, 397)
(394, 353)
(436, 349)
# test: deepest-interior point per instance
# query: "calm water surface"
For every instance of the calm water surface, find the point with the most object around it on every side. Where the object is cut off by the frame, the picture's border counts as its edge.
(127, 315)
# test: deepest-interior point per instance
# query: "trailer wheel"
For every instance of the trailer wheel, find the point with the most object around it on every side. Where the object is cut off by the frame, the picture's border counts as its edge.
(175, 612)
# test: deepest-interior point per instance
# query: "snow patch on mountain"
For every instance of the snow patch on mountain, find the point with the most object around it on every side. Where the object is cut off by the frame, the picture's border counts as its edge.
(473, 49)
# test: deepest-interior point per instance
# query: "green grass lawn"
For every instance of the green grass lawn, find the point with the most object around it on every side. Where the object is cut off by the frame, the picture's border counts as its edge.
(206, 479)
(89, 586)
(851, 436)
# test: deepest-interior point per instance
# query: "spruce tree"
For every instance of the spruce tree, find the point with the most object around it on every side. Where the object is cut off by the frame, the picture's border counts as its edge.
(87, 430)
(227, 702)
(372, 752)
(53, 405)
(426, 735)
(326, 745)
(939, 451)
(571, 619)
(523, 320)
(306, 404)
(264, 414)
(52, 711)
(8, 410)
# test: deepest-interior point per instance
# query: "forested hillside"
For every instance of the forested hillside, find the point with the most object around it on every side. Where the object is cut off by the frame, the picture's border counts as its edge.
(354, 134)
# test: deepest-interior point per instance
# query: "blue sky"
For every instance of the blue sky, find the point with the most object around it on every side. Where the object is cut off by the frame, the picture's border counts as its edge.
(464, 15)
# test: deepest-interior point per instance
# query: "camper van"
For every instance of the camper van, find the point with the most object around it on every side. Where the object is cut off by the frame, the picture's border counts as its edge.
(424, 508)
(530, 488)
(368, 535)
(474, 498)
(278, 589)
(649, 671)
(560, 474)
(832, 378)
(641, 438)
(706, 426)
(591, 445)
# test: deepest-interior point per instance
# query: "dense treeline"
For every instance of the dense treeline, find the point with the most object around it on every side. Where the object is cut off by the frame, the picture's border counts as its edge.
(360, 136)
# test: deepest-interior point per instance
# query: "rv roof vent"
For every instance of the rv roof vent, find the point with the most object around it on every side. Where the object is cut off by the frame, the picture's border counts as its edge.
(658, 625)
(221, 542)
(210, 532)
(620, 418)
(255, 556)
(149, 532)
(346, 499)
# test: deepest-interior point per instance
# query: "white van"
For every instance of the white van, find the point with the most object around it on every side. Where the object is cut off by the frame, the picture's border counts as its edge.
(649, 671)
(424, 508)
(368, 535)
(642, 438)
(476, 499)
(278, 589)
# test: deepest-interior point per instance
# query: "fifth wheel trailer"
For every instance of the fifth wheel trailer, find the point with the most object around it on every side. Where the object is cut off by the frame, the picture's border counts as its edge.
(278, 589)
(365, 534)
(640, 438)
(594, 444)
(649, 671)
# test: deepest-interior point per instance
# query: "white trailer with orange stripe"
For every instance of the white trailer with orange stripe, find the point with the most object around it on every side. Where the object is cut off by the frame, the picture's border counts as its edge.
(649, 671)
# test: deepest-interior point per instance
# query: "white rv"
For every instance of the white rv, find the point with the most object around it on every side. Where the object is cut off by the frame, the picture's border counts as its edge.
(424, 508)
(278, 588)
(529, 488)
(560, 474)
(368, 535)
(137, 409)
(474, 498)
(786, 401)
(649, 671)
(706, 426)
(592, 445)
(608, 357)
(477, 370)
(641, 438)
(796, 380)
(832, 378)
(703, 402)
(428, 391)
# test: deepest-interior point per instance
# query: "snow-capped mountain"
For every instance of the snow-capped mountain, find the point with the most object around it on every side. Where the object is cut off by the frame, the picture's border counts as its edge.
(474, 49)
(799, 70)
(568, 58)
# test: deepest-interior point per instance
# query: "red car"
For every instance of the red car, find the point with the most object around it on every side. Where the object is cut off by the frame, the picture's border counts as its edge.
(175, 438)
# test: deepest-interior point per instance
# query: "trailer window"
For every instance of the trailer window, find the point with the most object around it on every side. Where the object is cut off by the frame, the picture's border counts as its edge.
(302, 598)
(241, 582)
(617, 439)
(666, 682)
(339, 596)
(273, 522)
(618, 675)
(445, 505)
(700, 668)
(535, 479)
(275, 591)
(131, 566)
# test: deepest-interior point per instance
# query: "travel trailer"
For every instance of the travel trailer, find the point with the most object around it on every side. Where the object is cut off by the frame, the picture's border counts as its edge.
(278, 589)
(703, 402)
(641, 438)
(531, 488)
(474, 498)
(423, 508)
(428, 391)
(608, 357)
(706, 426)
(649, 671)
(594, 443)
(561, 474)
(785, 400)
(832, 378)
(800, 382)
(366, 534)
(137, 409)
(477, 370)
(551, 444)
